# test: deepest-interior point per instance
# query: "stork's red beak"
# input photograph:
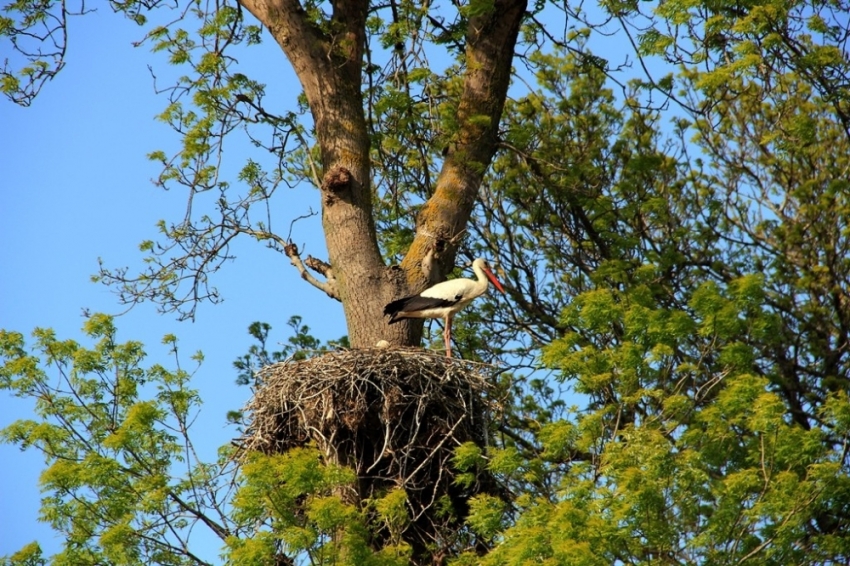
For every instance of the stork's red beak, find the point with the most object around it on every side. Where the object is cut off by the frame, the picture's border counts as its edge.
(493, 280)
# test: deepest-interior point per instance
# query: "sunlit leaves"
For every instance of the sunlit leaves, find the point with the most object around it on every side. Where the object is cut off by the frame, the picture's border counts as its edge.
(29, 555)
(486, 515)
(111, 433)
(36, 34)
(393, 512)
(684, 451)
(297, 504)
(468, 460)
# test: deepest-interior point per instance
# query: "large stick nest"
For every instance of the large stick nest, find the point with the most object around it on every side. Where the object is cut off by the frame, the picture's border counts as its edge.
(395, 416)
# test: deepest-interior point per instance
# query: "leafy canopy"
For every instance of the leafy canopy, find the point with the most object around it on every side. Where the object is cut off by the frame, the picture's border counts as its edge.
(673, 230)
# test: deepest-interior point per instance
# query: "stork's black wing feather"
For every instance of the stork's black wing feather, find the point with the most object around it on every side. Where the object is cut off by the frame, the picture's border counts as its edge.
(414, 303)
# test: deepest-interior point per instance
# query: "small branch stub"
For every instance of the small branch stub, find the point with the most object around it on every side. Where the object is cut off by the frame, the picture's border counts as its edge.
(329, 286)
(319, 266)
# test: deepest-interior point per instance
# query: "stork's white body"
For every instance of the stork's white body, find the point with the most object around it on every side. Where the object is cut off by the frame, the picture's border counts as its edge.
(444, 300)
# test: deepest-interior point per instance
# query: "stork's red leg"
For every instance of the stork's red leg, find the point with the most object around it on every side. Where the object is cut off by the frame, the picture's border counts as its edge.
(447, 336)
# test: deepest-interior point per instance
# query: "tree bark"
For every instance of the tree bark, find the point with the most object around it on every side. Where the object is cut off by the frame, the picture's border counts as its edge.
(328, 62)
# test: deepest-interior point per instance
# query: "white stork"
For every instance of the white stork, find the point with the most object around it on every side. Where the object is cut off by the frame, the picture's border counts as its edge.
(444, 300)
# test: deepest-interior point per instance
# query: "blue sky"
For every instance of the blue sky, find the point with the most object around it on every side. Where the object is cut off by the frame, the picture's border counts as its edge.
(75, 186)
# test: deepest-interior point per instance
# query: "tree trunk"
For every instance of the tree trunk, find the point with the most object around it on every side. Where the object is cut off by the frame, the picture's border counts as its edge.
(328, 63)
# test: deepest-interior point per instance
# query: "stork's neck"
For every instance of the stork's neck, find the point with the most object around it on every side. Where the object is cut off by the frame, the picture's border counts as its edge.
(482, 281)
(480, 275)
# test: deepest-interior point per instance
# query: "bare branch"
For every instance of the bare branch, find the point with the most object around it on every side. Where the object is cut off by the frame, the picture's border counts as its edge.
(329, 286)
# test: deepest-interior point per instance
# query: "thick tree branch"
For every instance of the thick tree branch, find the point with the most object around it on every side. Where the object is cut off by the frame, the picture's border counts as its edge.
(491, 38)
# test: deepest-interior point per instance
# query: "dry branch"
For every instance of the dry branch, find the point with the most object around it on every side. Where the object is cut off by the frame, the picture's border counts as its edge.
(329, 286)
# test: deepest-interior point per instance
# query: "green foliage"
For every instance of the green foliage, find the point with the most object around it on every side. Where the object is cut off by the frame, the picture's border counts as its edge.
(112, 433)
(297, 506)
(393, 513)
(124, 483)
(300, 345)
(715, 474)
(698, 304)
(675, 245)
(486, 515)
(23, 24)
(29, 555)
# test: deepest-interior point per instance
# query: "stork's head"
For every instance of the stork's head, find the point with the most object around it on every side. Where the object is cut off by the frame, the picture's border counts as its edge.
(481, 264)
